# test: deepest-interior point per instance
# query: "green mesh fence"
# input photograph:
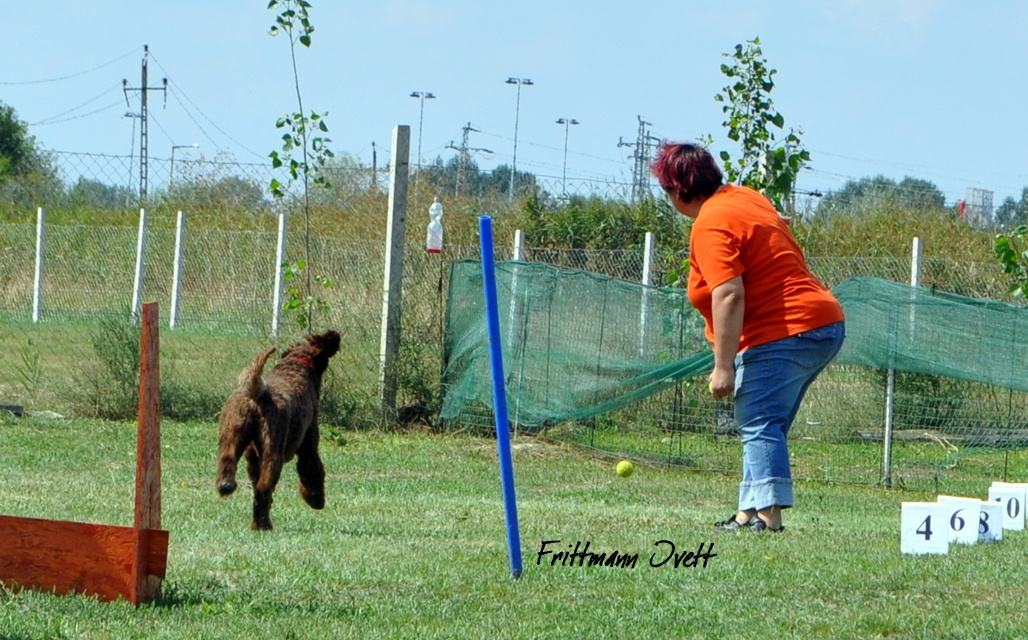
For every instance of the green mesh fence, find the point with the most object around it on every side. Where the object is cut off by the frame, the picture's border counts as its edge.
(918, 330)
(577, 344)
(614, 365)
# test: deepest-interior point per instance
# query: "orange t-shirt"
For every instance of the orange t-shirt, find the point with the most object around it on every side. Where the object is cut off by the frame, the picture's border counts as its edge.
(739, 233)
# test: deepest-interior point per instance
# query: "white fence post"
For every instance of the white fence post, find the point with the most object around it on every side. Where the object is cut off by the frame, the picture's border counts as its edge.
(514, 318)
(518, 255)
(519, 245)
(137, 288)
(647, 280)
(280, 257)
(176, 274)
(916, 261)
(392, 294)
(37, 282)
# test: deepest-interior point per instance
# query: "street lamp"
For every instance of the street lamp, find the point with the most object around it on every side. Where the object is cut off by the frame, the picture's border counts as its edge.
(422, 95)
(171, 179)
(567, 122)
(517, 109)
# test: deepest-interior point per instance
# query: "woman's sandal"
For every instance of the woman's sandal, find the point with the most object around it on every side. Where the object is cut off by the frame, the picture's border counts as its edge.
(731, 524)
(760, 525)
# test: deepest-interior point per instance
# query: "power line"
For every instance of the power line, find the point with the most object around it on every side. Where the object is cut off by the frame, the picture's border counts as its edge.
(55, 120)
(67, 77)
(159, 126)
(78, 117)
(178, 90)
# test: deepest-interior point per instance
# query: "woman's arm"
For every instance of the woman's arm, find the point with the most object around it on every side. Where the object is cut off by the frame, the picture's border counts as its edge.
(727, 306)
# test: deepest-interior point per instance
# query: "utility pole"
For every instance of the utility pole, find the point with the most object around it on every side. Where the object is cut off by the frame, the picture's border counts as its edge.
(464, 152)
(142, 89)
(374, 166)
(643, 144)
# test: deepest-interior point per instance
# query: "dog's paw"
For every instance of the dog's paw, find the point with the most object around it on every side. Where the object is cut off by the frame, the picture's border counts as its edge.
(316, 500)
(226, 487)
(262, 524)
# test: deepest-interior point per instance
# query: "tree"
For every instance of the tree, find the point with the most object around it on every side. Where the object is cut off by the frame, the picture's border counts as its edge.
(867, 193)
(1011, 249)
(919, 194)
(767, 164)
(304, 134)
(451, 178)
(93, 193)
(18, 154)
(1013, 212)
(28, 176)
(230, 193)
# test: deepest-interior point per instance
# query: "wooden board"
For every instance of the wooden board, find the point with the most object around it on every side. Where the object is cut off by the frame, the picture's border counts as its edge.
(106, 561)
(75, 557)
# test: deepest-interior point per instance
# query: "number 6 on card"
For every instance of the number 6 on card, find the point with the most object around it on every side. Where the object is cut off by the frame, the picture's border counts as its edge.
(964, 518)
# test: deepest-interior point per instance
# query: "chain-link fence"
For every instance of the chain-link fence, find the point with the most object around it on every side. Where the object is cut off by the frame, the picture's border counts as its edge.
(81, 358)
(190, 178)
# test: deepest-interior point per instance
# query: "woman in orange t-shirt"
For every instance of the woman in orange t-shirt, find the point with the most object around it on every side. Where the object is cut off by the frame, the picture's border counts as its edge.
(773, 325)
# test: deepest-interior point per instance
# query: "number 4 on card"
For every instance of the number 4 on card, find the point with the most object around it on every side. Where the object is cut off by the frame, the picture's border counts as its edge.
(924, 528)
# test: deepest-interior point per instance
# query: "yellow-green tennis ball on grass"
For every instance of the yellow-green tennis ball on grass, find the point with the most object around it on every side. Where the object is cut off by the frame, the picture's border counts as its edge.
(625, 468)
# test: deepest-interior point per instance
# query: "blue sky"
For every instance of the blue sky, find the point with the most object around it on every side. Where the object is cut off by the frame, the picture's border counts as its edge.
(932, 89)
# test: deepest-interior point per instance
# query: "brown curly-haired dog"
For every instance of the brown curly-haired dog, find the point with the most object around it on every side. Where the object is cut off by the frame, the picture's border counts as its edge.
(269, 420)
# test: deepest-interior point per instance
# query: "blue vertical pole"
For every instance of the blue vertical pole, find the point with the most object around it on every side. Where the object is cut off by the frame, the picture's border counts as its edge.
(492, 317)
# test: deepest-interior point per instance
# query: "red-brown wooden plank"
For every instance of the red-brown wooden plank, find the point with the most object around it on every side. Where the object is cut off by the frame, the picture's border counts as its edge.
(75, 557)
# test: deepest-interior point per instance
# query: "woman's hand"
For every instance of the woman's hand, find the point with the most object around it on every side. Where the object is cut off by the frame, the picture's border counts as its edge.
(722, 383)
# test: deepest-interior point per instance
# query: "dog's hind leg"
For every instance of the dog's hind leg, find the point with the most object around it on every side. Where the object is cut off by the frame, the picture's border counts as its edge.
(253, 466)
(311, 470)
(270, 471)
(230, 449)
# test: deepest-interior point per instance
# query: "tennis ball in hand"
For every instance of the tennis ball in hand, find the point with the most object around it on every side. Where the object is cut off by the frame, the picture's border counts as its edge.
(710, 386)
(625, 468)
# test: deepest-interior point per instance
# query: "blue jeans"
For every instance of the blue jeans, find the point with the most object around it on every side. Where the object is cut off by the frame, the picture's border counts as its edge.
(770, 382)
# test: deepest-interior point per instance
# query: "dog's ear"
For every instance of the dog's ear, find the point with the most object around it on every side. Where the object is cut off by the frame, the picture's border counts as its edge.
(326, 343)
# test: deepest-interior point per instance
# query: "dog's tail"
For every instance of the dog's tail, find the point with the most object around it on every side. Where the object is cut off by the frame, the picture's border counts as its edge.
(250, 381)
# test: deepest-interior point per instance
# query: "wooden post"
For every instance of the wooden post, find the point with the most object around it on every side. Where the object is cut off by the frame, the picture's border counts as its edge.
(392, 294)
(146, 586)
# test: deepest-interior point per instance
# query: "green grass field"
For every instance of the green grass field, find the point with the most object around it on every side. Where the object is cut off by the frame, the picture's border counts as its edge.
(412, 545)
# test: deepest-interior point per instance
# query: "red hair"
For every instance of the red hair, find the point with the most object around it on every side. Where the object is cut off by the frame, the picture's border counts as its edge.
(687, 169)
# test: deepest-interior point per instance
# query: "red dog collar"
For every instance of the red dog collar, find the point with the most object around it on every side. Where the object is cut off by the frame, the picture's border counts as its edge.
(305, 361)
